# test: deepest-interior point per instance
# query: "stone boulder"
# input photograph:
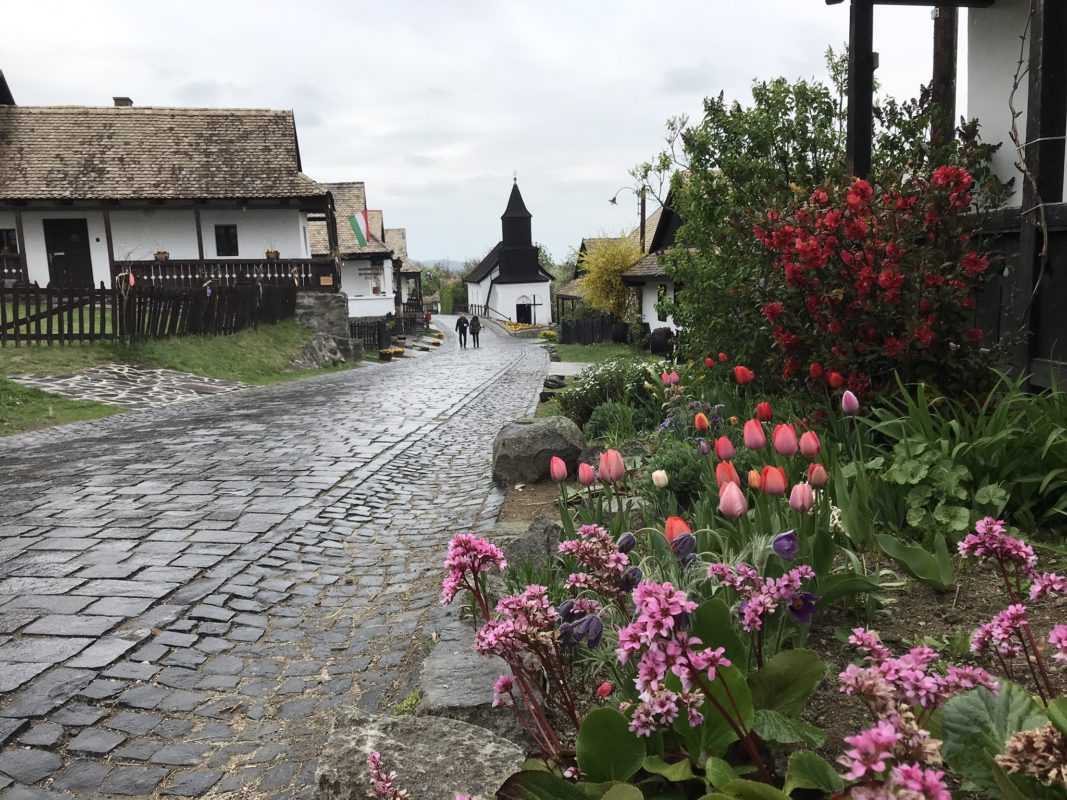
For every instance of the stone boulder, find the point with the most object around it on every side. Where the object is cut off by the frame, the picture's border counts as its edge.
(321, 351)
(434, 757)
(535, 543)
(524, 447)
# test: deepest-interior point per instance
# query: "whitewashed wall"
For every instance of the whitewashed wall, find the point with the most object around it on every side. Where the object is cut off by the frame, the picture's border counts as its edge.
(649, 298)
(992, 55)
(37, 255)
(356, 285)
(138, 234)
(257, 231)
(505, 296)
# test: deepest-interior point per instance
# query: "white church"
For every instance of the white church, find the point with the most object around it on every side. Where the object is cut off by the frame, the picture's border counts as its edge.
(509, 284)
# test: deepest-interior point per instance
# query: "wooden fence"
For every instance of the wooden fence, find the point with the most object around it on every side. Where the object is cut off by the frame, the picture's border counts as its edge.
(593, 329)
(31, 315)
(373, 333)
(303, 273)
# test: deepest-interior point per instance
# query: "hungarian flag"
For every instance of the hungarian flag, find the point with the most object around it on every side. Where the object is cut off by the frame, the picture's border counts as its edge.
(360, 226)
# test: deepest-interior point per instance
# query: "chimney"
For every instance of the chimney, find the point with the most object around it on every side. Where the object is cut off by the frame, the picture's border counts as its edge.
(122, 102)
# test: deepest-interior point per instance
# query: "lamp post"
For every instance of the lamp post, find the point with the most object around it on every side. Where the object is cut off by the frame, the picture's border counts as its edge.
(641, 197)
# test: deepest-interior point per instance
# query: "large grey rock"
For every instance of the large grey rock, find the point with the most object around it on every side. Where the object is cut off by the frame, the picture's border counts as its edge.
(434, 758)
(534, 543)
(327, 313)
(524, 447)
(321, 351)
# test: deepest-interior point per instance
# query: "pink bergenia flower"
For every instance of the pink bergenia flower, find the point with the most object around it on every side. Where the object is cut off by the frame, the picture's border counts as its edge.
(602, 563)
(382, 782)
(1001, 634)
(923, 784)
(502, 690)
(523, 621)
(870, 644)
(870, 752)
(468, 555)
(1048, 583)
(990, 540)
(761, 597)
(1058, 639)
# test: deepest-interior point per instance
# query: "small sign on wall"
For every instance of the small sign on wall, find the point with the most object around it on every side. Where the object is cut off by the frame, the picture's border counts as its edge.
(326, 280)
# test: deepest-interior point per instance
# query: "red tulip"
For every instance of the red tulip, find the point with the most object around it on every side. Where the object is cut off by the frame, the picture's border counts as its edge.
(784, 440)
(709, 362)
(743, 375)
(726, 473)
(722, 358)
(773, 481)
(802, 498)
(817, 475)
(809, 444)
(700, 422)
(836, 380)
(586, 475)
(755, 438)
(612, 467)
(557, 469)
(732, 502)
(675, 527)
(754, 479)
(604, 690)
(815, 370)
(764, 411)
(724, 448)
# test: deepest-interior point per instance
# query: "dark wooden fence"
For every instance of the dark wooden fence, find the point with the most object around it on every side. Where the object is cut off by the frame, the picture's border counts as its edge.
(303, 273)
(31, 315)
(593, 329)
(373, 333)
(11, 272)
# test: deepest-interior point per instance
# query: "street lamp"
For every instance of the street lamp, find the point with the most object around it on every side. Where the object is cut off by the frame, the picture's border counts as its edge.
(614, 200)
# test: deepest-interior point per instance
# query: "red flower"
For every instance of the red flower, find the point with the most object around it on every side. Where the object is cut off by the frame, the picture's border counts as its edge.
(820, 197)
(723, 358)
(924, 336)
(894, 347)
(764, 413)
(974, 335)
(709, 362)
(675, 527)
(772, 311)
(743, 375)
(974, 264)
(836, 380)
(815, 370)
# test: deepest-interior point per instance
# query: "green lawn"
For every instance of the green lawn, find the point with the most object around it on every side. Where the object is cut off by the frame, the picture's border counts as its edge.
(99, 321)
(590, 353)
(24, 409)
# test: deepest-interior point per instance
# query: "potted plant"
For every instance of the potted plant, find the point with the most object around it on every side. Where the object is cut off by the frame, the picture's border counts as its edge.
(272, 254)
(162, 255)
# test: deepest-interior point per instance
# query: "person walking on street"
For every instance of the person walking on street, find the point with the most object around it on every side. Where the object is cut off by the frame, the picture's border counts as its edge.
(476, 328)
(461, 328)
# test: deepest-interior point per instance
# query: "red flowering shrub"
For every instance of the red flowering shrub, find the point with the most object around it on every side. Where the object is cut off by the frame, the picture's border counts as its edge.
(868, 283)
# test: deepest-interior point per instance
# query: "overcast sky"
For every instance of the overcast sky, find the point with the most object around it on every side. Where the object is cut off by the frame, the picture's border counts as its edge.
(436, 104)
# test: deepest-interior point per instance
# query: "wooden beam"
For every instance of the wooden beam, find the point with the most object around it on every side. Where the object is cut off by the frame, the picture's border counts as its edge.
(110, 243)
(20, 236)
(943, 87)
(1046, 124)
(860, 133)
(199, 234)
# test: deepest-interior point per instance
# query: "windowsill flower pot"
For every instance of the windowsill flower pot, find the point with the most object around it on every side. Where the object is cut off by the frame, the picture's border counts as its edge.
(273, 255)
(162, 255)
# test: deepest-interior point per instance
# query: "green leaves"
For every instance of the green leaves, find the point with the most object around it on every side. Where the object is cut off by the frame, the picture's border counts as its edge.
(537, 785)
(787, 681)
(711, 622)
(716, 734)
(935, 569)
(1057, 714)
(807, 771)
(676, 773)
(774, 727)
(606, 749)
(977, 725)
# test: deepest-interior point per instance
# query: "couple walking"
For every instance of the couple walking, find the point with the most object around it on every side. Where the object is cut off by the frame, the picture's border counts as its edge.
(463, 325)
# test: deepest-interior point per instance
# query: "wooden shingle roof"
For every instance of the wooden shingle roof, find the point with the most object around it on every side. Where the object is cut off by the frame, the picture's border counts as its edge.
(146, 153)
(349, 198)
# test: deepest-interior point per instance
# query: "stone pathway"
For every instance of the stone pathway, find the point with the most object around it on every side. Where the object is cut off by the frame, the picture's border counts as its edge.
(130, 387)
(187, 594)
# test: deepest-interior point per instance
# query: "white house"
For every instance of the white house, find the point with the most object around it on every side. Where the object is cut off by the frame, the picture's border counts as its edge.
(407, 275)
(648, 276)
(89, 192)
(509, 283)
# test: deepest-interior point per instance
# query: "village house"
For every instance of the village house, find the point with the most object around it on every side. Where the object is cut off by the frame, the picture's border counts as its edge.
(170, 194)
(648, 276)
(407, 275)
(509, 283)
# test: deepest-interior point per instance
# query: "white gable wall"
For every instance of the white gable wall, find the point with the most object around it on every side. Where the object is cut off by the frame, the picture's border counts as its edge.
(37, 255)
(258, 230)
(649, 299)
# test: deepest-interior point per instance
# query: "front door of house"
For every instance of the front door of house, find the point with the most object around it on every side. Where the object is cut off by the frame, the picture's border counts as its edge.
(66, 242)
(522, 313)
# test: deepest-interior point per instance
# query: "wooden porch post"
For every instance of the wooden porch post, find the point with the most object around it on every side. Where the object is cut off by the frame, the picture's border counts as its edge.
(1046, 124)
(21, 239)
(860, 131)
(199, 233)
(943, 87)
(110, 245)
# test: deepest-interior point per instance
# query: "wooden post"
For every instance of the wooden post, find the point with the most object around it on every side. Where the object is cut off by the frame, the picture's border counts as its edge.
(21, 240)
(642, 220)
(943, 86)
(110, 244)
(1046, 124)
(199, 234)
(860, 132)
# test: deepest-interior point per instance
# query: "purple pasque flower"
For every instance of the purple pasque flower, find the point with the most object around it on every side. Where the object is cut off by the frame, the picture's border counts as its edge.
(704, 447)
(629, 579)
(626, 542)
(786, 545)
(589, 628)
(802, 607)
(684, 545)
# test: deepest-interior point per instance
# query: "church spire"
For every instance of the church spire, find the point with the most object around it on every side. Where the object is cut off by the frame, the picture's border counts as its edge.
(516, 207)
(515, 221)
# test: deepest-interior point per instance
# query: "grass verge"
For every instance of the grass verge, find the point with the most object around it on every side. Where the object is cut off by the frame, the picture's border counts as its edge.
(26, 409)
(591, 353)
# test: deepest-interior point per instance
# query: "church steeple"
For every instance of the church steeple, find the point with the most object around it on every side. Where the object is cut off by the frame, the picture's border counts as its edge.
(515, 221)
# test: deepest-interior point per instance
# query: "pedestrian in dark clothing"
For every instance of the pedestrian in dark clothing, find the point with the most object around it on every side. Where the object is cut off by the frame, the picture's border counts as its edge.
(461, 328)
(476, 328)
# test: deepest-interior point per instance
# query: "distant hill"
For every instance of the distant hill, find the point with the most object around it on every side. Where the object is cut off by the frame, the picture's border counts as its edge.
(451, 264)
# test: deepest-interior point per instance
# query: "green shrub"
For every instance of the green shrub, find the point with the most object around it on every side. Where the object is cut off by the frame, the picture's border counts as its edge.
(618, 379)
(613, 421)
(684, 467)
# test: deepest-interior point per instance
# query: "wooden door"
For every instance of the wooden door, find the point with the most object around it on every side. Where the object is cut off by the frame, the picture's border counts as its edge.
(66, 242)
(522, 313)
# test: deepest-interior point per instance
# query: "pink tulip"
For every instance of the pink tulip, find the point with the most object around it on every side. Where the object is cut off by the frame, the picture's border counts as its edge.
(802, 498)
(809, 444)
(586, 475)
(670, 378)
(732, 502)
(773, 481)
(557, 469)
(612, 467)
(850, 404)
(784, 440)
(817, 475)
(755, 438)
(724, 448)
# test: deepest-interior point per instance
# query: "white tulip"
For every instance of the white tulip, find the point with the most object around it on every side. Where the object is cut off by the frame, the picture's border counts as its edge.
(659, 479)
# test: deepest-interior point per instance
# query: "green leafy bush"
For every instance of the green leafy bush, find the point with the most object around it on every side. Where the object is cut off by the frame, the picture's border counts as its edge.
(611, 380)
(684, 467)
(612, 421)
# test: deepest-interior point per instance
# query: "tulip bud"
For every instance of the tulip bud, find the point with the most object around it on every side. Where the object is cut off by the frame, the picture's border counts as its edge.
(755, 438)
(557, 469)
(724, 448)
(784, 440)
(815, 370)
(659, 479)
(605, 690)
(764, 411)
(723, 358)
(726, 473)
(817, 475)
(732, 502)
(684, 545)
(802, 498)
(626, 542)
(709, 362)
(743, 375)
(754, 480)
(700, 422)
(836, 380)
(809, 444)
(850, 404)
(773, 481)
(586, 475)
(612, 467)
(674, 527)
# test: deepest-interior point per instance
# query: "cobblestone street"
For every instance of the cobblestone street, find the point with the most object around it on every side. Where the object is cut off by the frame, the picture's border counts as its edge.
(187, 594)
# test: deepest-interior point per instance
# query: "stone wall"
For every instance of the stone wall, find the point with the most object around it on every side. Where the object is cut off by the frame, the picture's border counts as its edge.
(327, 313)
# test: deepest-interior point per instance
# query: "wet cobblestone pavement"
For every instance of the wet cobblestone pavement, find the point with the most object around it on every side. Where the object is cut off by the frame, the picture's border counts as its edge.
(187, 594)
